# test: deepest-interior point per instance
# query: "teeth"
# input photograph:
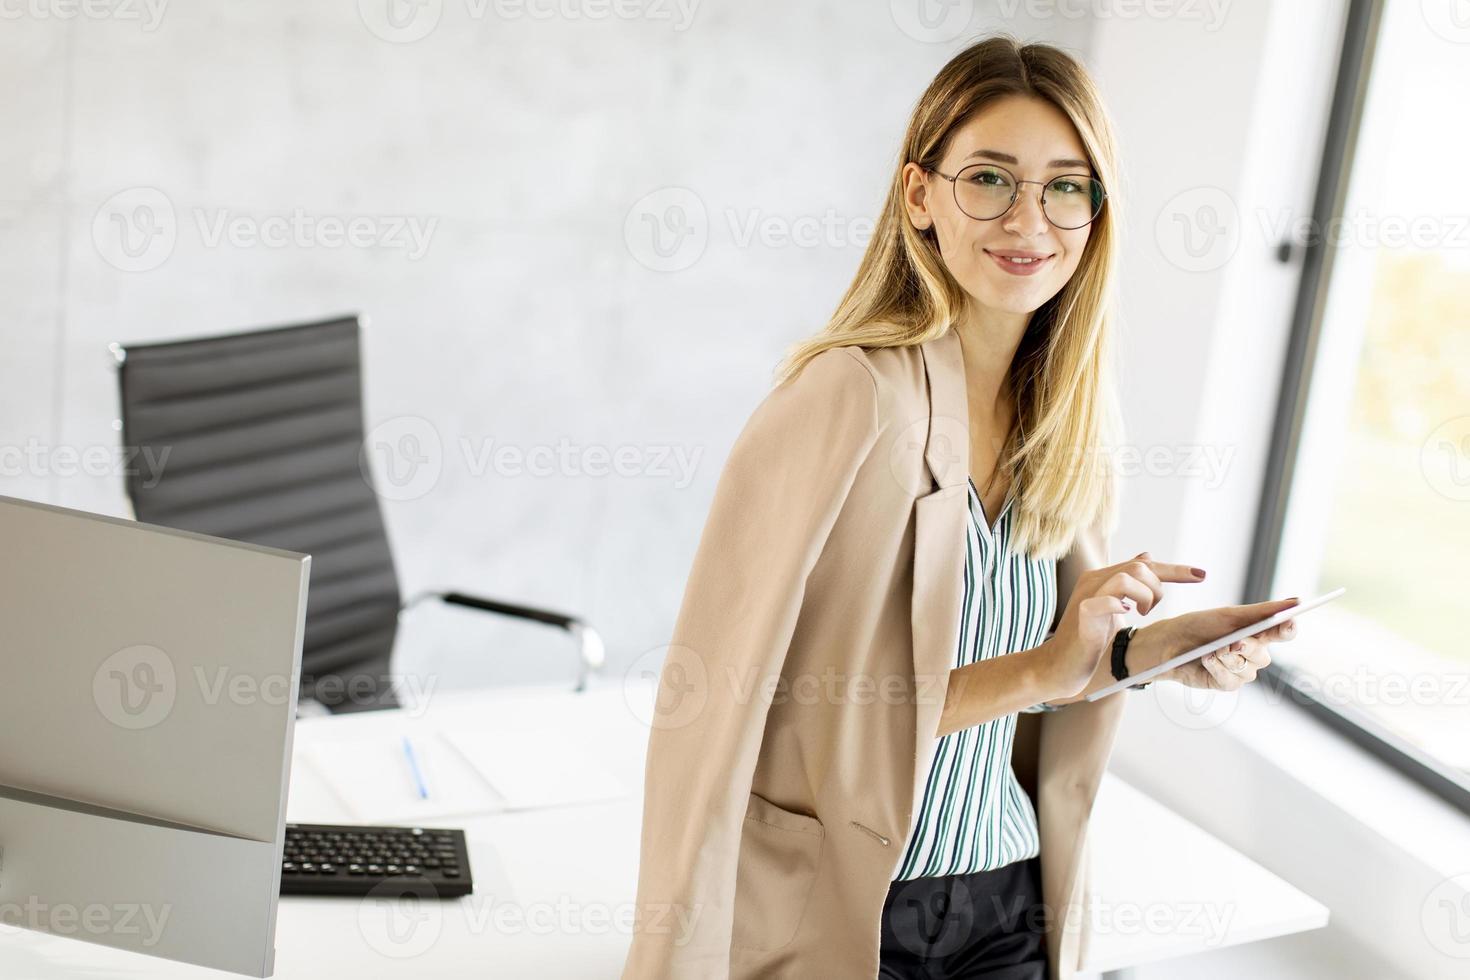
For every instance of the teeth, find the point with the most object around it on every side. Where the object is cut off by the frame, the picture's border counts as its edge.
(1019, 261)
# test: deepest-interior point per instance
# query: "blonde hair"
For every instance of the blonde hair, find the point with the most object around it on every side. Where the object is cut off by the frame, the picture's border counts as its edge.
(1067, 419)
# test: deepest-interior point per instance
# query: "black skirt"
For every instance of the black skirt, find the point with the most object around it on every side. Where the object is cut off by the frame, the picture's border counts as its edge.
(987, 924)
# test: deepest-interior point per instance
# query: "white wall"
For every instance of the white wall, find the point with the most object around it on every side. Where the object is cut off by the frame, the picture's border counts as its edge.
(526, 147)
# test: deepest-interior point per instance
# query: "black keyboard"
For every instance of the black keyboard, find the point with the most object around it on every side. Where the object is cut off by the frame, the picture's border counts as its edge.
(321, 859)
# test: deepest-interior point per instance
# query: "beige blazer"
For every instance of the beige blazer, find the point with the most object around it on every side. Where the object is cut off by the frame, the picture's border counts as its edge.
(800, 696)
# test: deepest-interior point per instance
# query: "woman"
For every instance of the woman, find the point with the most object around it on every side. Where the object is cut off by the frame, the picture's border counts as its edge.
(871, 754)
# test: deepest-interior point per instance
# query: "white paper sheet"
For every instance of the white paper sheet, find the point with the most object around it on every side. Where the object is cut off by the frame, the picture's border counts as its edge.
(537, 767)
(374, 781)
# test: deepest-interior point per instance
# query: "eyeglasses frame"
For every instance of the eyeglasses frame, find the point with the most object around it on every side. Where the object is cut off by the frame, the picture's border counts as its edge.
(1016, 183)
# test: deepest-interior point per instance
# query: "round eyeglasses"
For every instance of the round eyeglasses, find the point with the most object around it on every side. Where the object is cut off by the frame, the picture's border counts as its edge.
(986, 191)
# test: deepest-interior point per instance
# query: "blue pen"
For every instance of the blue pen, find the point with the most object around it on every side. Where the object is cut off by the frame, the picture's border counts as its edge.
(413, 766)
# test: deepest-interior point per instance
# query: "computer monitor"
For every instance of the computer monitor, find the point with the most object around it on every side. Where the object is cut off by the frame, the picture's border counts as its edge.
(148, 683)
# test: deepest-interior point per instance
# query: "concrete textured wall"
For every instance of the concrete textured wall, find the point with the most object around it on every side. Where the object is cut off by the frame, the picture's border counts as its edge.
(483, 180)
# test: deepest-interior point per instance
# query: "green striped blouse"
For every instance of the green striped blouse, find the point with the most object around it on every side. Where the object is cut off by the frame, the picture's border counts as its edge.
(974, 815)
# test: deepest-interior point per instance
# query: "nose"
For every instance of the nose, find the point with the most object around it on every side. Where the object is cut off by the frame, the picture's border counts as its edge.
(1026, 218)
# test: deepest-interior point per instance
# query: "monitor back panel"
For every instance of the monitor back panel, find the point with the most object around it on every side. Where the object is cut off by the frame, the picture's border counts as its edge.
(148, 706)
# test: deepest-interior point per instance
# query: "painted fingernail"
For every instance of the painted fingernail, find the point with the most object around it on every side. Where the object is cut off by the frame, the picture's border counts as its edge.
(1197, 572)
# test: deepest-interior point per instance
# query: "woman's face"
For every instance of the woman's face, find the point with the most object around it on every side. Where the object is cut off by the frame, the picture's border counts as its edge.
(1034, 140)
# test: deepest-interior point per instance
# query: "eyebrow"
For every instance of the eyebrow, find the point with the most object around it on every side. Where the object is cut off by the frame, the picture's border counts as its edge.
(1007, 158)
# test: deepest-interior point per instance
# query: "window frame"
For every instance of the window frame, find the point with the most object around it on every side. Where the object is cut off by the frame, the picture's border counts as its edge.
(1360, 39)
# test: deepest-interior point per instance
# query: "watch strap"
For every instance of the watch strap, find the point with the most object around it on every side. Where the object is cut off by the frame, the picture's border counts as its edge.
(1120, 652)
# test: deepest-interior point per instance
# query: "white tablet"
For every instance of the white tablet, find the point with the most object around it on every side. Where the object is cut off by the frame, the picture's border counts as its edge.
(1274, 620)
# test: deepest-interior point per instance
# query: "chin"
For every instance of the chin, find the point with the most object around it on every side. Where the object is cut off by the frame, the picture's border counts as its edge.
(1009, 300)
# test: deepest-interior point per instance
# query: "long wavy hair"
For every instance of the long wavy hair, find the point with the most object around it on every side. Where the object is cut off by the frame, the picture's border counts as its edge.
(1058, 453)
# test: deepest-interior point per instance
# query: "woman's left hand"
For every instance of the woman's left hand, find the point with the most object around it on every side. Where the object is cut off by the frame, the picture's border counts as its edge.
(1226, 669)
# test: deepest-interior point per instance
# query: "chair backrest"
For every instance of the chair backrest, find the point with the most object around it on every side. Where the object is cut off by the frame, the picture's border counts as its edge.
(263, 432)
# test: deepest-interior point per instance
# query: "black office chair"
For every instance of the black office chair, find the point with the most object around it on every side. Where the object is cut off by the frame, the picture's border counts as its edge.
(263, 432)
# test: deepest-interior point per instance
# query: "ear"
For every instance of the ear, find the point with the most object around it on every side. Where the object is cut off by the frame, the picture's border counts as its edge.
(916, 196)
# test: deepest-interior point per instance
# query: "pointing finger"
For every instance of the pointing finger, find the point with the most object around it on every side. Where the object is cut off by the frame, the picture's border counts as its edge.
(1166, 571)
(1172, 572)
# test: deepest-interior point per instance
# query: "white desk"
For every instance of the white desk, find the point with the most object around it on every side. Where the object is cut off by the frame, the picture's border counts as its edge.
(1192, 893)
(554, 888)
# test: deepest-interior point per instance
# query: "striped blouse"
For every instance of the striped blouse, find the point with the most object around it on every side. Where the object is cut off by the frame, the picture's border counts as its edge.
(974, 815)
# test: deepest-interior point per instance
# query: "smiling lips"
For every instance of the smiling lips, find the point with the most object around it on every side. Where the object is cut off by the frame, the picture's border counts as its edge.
(1019, 263)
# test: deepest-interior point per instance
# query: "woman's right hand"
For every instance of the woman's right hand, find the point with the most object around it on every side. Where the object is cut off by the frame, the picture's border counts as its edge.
(1095, 612)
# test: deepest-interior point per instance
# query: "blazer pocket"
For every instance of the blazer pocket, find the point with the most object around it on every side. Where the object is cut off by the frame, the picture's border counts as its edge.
(779, 854)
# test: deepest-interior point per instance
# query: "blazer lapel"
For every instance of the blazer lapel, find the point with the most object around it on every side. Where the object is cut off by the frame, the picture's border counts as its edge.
(939, 543)
(947, 451)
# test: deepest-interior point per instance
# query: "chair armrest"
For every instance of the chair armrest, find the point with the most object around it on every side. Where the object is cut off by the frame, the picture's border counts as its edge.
(593, 653)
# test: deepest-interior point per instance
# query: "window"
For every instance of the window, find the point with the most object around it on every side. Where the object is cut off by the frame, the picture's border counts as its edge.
(1369, 482)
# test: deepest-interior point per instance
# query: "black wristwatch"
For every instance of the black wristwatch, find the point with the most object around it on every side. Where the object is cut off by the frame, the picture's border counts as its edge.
(1120, 651)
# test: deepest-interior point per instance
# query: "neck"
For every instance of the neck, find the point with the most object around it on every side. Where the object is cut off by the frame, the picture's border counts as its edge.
(989, 339)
